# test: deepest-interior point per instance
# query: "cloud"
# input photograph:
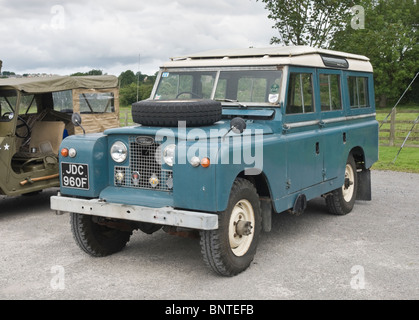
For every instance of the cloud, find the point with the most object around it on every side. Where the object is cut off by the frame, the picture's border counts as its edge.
(114, 36)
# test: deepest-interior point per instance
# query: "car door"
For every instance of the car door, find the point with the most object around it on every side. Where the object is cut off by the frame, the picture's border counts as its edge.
(333, 127)
(304, 147)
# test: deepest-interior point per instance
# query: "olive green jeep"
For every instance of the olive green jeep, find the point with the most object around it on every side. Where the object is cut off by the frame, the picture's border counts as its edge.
(35, 116)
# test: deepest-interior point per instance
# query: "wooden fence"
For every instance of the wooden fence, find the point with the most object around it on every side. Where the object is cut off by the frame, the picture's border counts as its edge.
(125, 118)
(392, 132)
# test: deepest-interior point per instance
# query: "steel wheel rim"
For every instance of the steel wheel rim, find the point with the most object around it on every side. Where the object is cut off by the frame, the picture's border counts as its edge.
(243, 210)
(348, 191)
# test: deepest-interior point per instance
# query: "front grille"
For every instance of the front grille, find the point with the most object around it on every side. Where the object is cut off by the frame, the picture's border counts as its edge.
(144, 167)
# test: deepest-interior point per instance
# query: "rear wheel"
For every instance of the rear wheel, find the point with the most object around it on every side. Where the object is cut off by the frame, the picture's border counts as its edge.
(96, 239)
(231, 248)
(341, 201)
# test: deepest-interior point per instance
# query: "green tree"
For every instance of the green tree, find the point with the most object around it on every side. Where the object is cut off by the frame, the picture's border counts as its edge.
(128, 94)
(307, 22)
(93, 72)
(126, 78)
(390, 39)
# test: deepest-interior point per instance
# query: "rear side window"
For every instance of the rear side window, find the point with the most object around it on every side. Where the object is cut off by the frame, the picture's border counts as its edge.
(330, 93)
(358, 92)
(300, 93)
(98, 102)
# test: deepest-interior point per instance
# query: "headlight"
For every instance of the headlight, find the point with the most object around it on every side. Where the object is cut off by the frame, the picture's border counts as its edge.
(169, 154)
(119, 151)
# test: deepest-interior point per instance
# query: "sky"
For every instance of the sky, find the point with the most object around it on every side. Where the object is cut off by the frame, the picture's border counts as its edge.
(64, 37)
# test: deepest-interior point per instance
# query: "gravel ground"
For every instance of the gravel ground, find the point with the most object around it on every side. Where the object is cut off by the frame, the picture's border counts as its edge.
(371, 253)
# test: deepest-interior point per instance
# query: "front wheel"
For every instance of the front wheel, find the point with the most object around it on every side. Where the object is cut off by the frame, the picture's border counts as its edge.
(341, 201)
(96, 239)
(231, 248)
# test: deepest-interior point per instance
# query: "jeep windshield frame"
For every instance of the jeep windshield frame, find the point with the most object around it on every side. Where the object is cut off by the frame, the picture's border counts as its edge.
(234, 86)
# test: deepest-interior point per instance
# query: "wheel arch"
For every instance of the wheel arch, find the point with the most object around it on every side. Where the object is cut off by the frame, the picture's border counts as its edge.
(263, 189)
(260, 182)
(359, 156)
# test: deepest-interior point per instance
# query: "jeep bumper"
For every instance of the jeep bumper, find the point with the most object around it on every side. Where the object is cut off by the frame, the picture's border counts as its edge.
(164, 216)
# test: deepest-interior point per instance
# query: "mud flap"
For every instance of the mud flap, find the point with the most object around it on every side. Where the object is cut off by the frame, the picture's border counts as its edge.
(364, 185)
(266, 208)
(300, 204)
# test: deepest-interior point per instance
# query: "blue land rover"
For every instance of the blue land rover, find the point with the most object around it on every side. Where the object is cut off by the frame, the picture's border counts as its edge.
(227, 138)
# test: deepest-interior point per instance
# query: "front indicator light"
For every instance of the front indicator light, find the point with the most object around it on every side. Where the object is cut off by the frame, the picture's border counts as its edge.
(64, 152)
(205, 162)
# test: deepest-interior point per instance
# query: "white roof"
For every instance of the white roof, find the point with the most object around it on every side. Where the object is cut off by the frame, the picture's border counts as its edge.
(291, 55)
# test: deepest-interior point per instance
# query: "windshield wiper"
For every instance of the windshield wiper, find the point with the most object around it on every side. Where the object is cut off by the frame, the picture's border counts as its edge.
(233, 101)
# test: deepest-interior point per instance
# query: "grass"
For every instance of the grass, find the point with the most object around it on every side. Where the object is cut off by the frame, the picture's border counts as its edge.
(407, 160)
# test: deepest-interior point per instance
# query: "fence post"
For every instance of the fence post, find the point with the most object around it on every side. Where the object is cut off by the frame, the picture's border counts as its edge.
(392, 128)
(126, 118)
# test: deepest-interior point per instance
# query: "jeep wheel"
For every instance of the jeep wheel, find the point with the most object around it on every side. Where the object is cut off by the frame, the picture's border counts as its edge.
(231, 248)
(95, 239)
(341, 201)
(169, 113)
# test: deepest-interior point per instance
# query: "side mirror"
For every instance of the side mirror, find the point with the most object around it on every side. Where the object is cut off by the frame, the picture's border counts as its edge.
(76, 120)
(237, 125)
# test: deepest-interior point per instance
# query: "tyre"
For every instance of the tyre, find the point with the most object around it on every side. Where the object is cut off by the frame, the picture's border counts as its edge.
(169, 113)
(231, 248)
(95, 239)
(341, 201)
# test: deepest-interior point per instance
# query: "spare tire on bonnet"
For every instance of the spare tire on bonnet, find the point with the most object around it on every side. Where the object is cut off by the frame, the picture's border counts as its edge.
(169, 113)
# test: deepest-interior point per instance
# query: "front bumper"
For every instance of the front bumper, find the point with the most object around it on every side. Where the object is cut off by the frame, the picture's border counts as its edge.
(164, 216)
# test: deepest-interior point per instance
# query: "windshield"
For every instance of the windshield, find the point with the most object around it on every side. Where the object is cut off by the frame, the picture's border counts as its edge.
(8, 100)
(241, 85)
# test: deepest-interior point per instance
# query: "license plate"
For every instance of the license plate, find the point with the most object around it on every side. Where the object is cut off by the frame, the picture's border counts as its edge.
(75, 175)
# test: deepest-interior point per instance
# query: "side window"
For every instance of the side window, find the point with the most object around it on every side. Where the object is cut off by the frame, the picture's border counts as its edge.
(98, 102)
(28, 104)
(300, 93)
(330, 92)
(63, 101)
(358, 92)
